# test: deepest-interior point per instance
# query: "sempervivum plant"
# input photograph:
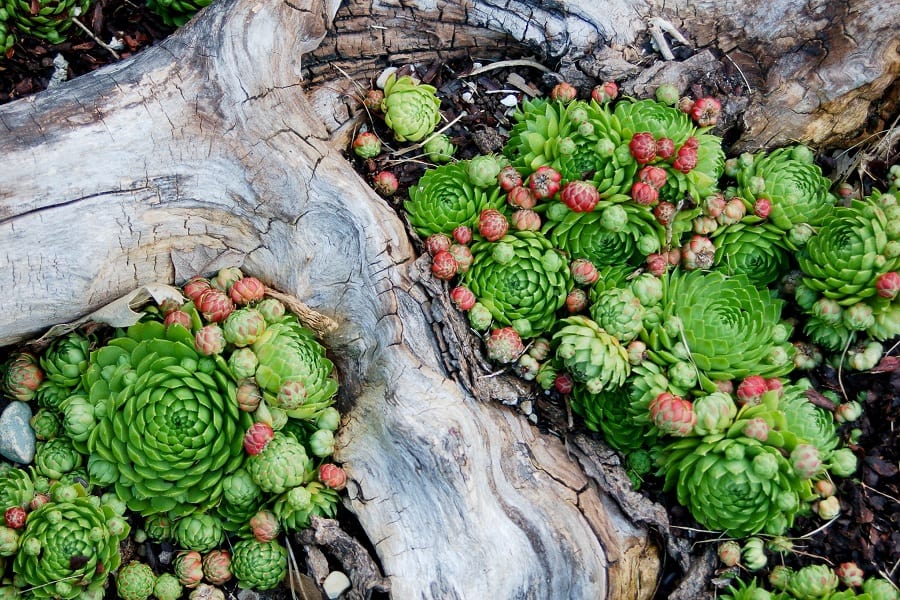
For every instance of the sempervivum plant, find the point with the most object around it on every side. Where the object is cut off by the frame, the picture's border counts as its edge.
(176, 12)
(590, 354)
(169, 428)
(135, 581)
(607, 412)
(411, 109)
(752, 250)
(16, 487)
(258, 565)
(66, 360)
(534, 139)
(521, 279)
(794, 185)
(726, 326)
(294, 508)
(59, 531)
(47, 19)
(445, 198)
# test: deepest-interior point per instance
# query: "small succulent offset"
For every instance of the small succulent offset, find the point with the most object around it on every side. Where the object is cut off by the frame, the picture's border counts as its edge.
(176, 12)
(411, 108)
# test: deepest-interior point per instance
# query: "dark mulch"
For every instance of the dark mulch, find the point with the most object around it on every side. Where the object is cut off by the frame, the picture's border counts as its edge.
(866, 531)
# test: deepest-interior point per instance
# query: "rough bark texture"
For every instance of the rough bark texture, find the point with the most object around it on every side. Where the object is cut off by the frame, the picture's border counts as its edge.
(222, 146)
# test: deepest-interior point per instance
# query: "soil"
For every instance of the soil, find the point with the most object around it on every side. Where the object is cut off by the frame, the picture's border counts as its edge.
(867, 529)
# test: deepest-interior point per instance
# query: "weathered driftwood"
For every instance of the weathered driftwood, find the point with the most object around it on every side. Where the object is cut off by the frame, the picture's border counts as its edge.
(222, 146)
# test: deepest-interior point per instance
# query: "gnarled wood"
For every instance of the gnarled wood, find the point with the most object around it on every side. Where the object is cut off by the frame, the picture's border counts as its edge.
(215, 148)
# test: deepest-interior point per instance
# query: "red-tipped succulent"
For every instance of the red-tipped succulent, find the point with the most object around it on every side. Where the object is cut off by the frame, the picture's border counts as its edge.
(605, 92)
(544, 182)
(15, 517)
(492, 224)
(385, 183)
(215, 305)
(444, 266)
(643, 147)
(463, 297)
(508, 178)
(246, 290)
(705, 111)
(564, 92)
(333, 476)
(258, 437)
(580, 196)
(644, 194)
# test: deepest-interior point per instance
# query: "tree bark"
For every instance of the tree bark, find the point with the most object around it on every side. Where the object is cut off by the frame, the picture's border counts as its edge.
(222, 146)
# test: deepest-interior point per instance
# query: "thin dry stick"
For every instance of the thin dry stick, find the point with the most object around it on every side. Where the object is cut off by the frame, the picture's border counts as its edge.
(100, 43)
(507, 63)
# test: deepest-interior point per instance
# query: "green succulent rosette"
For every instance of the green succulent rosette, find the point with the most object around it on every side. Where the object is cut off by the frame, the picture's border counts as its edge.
(736, 485)
(294, 508)
(534, 139)
(607, 413)
(258, 565)
(78, 420)
(590, 354)
(282, 465)
(288, 350)
(751, 250)
(135, 581)
(726, 326)
(16, 488)
(794, 185)
(628, 238)
(48, 20)
(523, 287)
(703, 179)
(597, 152)
(66, 360)
(662, 120)
(200, 531)
(168, 420)
(444, 199)
(850, 251)
(51, 395)
(69, 548)
(805, 421)
(411, 109)
(176, 13)
(241, 498)
(54, 458)
(619, 312)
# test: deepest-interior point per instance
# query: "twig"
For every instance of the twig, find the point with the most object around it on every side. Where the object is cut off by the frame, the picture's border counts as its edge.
(507, 63)
(319, 323)
(744, 77)
(100, 42)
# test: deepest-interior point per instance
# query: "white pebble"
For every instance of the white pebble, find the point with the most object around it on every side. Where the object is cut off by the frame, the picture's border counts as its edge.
(527, 407)
(335, 584)
(467, 97)
(382, 79)
(510, 100)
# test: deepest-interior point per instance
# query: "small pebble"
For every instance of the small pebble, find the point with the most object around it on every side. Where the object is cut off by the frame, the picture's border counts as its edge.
(17, 441)
(510, 100)
(527, 407)
(335, 584)
(467, 97)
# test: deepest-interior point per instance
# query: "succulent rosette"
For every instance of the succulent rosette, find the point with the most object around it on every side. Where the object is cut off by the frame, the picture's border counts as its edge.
(523, 287)
(22, 376)
(813, 581)
(48, 20)
(662, 120)
(619, 312)
(54, 458)
(752, 250)
(610, 235)
(737, 485)
(16, 487)
(294, 508)
(794, 185)
(806, 421)
(590, 354)
(607, 412)
(444, 199)
(200, 531)
(703, 179)
(411, 109)
(258, 565)
(57, 532)
(288, 350)
(135, 581)
(66, 360)
(168, 420)
(176, 13)
(281, 465)
(534, 139)
(241, 498)
(726, 326)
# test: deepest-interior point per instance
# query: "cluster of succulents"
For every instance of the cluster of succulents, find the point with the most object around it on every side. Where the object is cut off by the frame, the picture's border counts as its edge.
(208, 424)
(176, 13)
(48, 20)
(613, 254)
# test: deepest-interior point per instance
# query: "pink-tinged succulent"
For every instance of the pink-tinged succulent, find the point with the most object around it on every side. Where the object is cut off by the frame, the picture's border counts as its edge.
(583, 271)
(751, 389)
(664, 213)
(188, 567)
(195, 286)
(210, 340)
(248, 395)
(691, 142)
(333, 476)
(178, 317)
(674, 256)
(462, 234)
(463, 256)
(850, 574)
(685, 105)
(526, 220)
(225, 278)
(215, 305)
(713, 205)
(504, 345)
(888, 284)
(698, 253)
(544, 182)
(576, 301)
(580, 196)
(847, 412)
(685, 159)
(521, 197)
(15, 517)
(563, 383)
(825, 488)
(657, 264)
(463, 297)
(257, 438)
(564, 92)
(437, 242)
(729, 553)
(366, 145)
(246, 290)
(643, 147)
(605, 92)
(373, 100)
(806, 460)
(637, 352)
(828, 508)
(38, 501)
(733, 212)
(385, 183)
(264, 525)
(762, 208)
(509, 178)
(665, 148)
(705, 111)
(653, 176)
(774, 384)
(23, 376)
(703, 225)
(644, 194)
(672, 414)
(216, 566)
(492, 224)
(756, 428)
(444, 266)
(292, 394)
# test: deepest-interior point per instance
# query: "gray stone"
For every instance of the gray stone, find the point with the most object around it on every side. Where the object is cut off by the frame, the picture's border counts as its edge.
(335, 584)
(17, 441)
